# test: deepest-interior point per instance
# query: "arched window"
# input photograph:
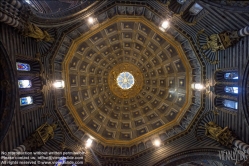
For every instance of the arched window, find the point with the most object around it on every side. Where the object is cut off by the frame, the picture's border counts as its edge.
(30, 102)
(227, 103)
(26, 100)
(231, 76)
(176, 6)
(191, 13)
(226, 76)
(226, 85)
(230, 104)
(24, 63)
(231, 89)
(195, 9)
(22, 66)
(222, 89)
(181, 1)
(24, 84)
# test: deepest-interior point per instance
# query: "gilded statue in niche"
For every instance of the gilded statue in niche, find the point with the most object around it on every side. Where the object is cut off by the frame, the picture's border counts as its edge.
(220, 41)
(214, 43)
(215, 132)
(40, 136)
(31, 30)
(212, 130)
(46, 131)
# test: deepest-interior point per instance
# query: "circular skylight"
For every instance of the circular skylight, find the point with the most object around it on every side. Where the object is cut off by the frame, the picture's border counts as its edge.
(125, 80)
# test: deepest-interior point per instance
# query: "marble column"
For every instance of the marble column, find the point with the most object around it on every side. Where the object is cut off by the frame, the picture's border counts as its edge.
(9, 12)
(20, 148)
(241, 145)
(243, 32)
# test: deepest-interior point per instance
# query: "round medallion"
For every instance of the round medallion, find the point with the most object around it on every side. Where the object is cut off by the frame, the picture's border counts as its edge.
(125, 80)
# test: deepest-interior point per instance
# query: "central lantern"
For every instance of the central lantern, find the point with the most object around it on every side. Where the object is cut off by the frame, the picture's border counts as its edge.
(125, 80)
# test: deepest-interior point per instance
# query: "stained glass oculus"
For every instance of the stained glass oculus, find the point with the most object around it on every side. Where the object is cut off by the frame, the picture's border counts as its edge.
(125, 80)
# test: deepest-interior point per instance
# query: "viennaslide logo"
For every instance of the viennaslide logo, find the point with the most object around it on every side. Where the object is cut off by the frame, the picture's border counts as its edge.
(236, 155)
